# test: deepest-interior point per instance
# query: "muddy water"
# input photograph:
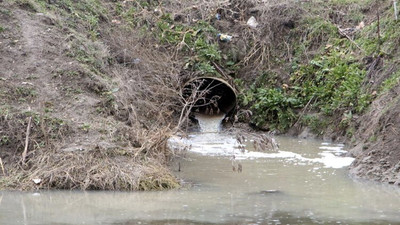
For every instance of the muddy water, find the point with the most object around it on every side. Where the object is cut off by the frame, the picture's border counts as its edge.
(302, 182)
(291, 186)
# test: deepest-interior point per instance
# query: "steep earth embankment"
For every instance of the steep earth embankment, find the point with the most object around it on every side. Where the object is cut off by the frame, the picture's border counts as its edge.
(377, 151)
(71, 115)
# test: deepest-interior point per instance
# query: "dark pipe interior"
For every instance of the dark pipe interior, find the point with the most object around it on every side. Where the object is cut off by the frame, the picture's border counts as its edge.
(214, 96)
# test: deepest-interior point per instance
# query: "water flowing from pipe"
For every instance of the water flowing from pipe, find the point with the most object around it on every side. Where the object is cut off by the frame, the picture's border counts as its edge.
(210, 123)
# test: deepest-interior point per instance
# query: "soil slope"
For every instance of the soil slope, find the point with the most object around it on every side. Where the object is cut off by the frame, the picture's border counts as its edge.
(73, 109)
(378, 153)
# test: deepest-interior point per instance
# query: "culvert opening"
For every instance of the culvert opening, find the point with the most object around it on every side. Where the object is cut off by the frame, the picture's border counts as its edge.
(210, 96)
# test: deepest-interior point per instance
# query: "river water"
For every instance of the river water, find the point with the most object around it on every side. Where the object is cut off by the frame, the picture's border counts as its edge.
(302, 182)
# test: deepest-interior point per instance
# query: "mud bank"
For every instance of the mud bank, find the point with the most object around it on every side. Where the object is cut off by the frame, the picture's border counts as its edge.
(377, 152)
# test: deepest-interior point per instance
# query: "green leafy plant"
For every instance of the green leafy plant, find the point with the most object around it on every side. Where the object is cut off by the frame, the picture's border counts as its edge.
(391, 82)
(334, 79)
(85, 127)
(275, 107)
(4, 140)
(192, 41)
(315, 123)
(330, 83)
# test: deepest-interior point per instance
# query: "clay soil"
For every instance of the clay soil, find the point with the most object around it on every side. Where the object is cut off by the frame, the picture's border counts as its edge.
(378, 154)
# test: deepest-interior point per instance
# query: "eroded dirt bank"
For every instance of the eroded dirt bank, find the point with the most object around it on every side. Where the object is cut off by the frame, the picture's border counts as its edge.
(378, 152)
(73, 117)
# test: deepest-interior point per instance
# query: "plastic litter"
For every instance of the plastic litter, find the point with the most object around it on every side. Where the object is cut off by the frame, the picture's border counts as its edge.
(136, 61)
(224, 37)
(37, 180)
(252, 22)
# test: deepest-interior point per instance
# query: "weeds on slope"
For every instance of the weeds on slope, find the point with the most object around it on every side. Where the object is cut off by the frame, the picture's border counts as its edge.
(128, 127)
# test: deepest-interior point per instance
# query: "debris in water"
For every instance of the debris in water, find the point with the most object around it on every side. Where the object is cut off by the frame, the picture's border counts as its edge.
(269, 192)
(233, 164)
(239, 168)
(265, 142)
(241, 139)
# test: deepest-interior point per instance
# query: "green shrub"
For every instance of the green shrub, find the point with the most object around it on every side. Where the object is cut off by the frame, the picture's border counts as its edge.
(275, 107)
(315, 123)
(334, 80)
(193, 42)
(330, 83)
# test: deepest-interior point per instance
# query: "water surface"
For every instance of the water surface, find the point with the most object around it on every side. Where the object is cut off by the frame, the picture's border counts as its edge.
(292, 188)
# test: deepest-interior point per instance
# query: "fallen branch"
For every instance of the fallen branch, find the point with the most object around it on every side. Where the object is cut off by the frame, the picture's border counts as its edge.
(28, 130)
(341, 32)
(378, 32)
(2, 167)
(303, 111)
(220, 71)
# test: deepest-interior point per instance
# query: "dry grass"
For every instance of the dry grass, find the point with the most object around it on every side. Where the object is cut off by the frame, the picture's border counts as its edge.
(138, 166)
(139, 92)
(275, 22)
(147, 78)
(98, 169)
(266, 46)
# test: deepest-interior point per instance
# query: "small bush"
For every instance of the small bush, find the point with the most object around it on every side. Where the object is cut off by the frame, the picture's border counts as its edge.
(334, 79)
(329, 83)
(275, 107)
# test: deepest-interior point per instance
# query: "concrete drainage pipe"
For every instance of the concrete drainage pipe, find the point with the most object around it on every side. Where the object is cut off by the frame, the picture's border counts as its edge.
(210, 96)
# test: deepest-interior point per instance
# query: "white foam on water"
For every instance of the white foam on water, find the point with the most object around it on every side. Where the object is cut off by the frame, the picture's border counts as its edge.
(225, 145)
(332, 156)
(331, 160)
(213, 143)
(333, 148)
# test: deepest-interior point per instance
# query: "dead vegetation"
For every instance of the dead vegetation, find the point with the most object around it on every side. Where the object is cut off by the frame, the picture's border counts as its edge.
(107, 127)
(97, 169)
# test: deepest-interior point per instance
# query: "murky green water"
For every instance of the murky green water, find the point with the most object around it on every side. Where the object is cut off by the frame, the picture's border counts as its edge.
(292, 186)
